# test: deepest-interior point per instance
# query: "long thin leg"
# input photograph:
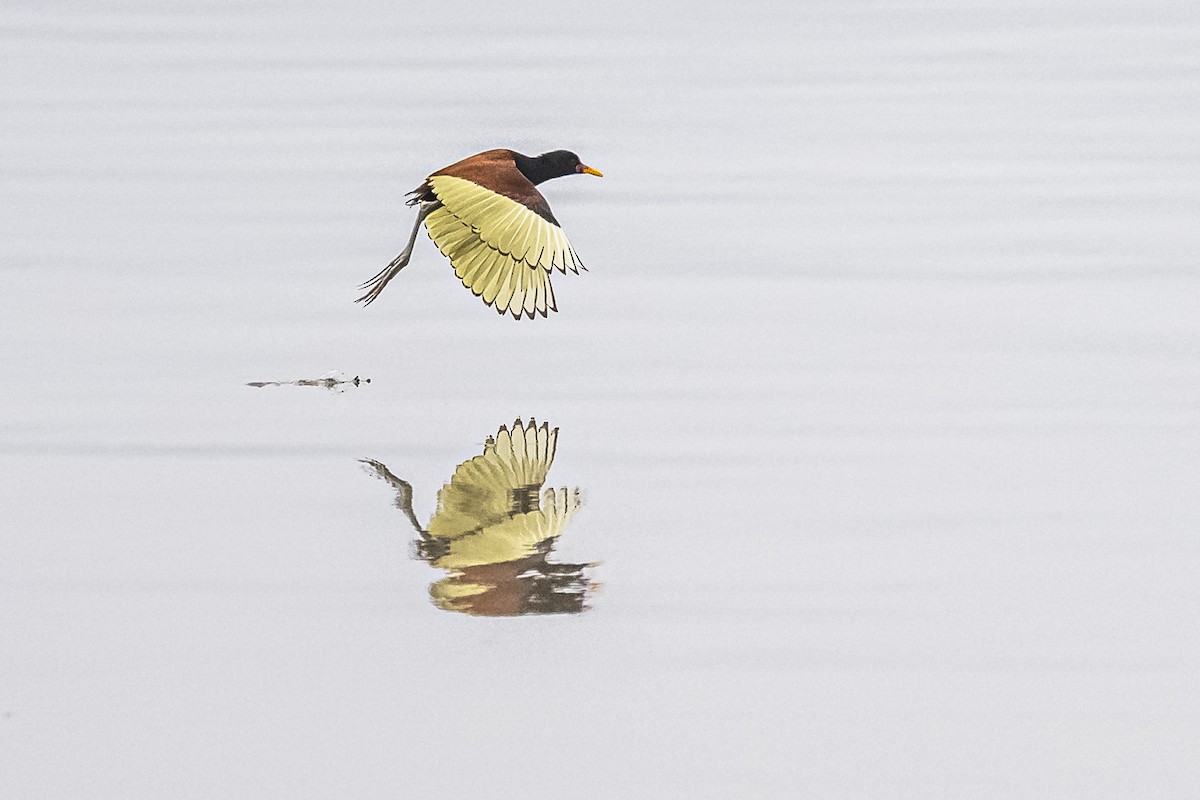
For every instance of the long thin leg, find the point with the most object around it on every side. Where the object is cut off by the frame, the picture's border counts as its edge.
(404, 491)
(376, 284)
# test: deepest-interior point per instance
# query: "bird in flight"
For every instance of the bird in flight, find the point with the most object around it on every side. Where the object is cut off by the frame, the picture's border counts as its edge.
(486, 215)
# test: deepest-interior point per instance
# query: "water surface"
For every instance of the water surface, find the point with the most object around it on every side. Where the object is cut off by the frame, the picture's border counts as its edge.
(882, 391)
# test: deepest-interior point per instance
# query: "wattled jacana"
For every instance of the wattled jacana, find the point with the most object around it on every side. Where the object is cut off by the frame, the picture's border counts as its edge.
(486, 215)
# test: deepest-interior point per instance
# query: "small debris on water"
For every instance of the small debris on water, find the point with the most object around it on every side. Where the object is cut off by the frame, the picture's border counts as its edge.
(334, 381)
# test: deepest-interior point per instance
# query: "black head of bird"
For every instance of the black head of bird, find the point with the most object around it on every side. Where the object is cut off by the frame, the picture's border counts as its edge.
(555, 164)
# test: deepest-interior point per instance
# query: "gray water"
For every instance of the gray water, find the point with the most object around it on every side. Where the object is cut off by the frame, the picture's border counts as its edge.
(882, 393)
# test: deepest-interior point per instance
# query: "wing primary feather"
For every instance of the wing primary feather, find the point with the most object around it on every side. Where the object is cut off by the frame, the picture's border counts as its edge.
(507, 286)
(491, 239)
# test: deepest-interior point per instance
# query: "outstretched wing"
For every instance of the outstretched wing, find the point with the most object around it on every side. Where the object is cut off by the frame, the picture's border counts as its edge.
(501, 485)
(502, 250)
(515, 537)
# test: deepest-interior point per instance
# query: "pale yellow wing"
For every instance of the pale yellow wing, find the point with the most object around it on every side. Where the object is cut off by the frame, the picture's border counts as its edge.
(502, 250)
(505, 225)
(511, 538)
(492, 488)
(501, 282)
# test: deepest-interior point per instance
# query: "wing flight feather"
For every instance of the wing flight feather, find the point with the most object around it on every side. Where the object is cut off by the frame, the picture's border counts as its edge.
(502, 250)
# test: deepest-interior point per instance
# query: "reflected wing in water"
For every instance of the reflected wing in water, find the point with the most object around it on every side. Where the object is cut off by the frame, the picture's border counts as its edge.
(499, 485)
(513, 537)
(494, 527)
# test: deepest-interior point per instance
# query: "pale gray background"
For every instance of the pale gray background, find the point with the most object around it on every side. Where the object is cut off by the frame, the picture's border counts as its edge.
(883, 389)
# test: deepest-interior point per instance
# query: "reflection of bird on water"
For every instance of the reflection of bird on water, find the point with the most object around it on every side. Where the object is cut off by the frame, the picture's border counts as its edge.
(495, 526)
(486, 215)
